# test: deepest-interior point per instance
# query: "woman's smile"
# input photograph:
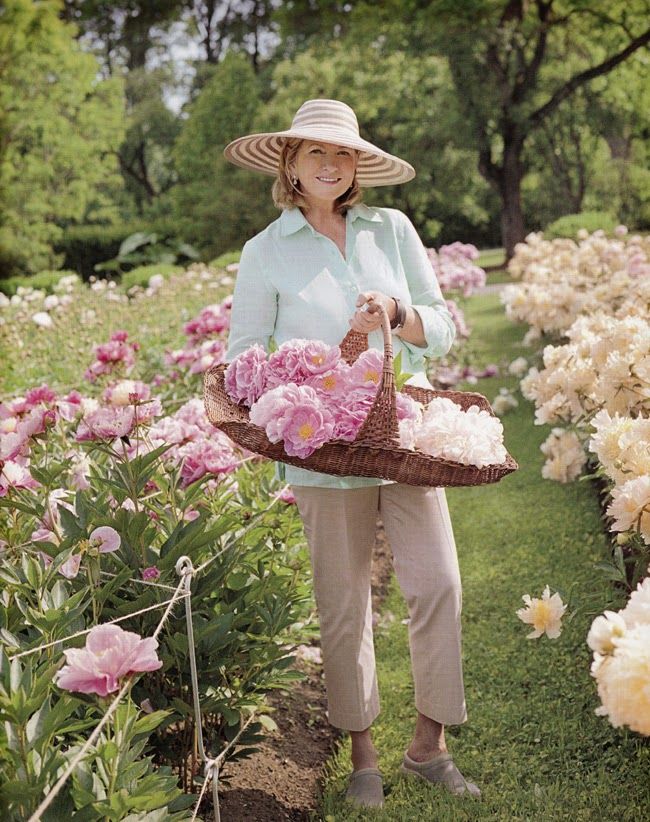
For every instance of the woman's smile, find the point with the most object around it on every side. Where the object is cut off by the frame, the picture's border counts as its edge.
(321, 166)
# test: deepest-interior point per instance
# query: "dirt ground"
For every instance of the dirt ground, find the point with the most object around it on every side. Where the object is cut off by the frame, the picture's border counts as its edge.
(282, 780)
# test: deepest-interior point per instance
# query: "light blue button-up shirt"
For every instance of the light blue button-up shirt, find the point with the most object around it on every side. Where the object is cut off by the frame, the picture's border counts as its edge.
(294, 282)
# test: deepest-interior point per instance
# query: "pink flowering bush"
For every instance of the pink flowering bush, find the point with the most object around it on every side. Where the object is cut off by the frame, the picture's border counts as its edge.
(101, 491)
(116, 355)
(455, 269)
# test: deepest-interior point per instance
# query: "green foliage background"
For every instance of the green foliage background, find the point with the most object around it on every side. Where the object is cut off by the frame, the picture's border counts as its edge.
(88, 139)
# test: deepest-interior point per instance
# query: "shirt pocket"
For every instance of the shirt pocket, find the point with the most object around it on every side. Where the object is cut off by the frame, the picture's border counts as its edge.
(318, 308)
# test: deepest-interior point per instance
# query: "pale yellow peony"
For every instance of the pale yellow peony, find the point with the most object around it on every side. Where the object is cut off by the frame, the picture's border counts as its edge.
(544, 614)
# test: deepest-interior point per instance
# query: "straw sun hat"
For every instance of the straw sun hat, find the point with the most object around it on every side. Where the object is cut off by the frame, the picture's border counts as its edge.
(327, 121)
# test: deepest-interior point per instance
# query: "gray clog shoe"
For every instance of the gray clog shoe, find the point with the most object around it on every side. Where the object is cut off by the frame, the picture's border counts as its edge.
(440, 770)
(366, 788)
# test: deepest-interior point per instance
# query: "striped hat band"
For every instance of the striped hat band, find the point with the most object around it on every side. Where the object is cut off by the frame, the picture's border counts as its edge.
(327, 121)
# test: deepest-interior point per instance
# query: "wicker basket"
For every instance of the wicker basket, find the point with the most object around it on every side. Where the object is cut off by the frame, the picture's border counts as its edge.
(376, 451)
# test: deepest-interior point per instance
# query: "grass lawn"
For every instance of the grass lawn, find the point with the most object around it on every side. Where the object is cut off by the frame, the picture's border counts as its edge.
(532, 742)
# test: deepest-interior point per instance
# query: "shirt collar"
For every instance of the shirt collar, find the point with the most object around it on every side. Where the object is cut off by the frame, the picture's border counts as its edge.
(292, 219)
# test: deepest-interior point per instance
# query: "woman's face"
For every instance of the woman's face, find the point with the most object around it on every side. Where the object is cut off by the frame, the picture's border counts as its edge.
(325, 170)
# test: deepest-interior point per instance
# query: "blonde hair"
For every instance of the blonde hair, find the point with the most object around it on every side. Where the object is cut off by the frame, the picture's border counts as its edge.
(286, 195)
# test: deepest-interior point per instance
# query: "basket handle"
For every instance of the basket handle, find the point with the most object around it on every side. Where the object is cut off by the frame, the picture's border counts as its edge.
(380, 426)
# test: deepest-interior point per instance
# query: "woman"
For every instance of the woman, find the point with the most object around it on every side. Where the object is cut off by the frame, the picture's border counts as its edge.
(310, 274)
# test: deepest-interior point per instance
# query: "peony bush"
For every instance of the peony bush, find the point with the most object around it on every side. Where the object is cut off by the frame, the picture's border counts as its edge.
(103, 487)
(589, 302)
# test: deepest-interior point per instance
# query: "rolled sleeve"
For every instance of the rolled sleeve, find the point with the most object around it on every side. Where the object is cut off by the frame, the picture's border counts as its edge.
(254, 306)
(426, 296)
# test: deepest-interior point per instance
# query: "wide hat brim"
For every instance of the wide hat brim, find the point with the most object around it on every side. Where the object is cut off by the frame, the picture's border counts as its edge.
(375, 167)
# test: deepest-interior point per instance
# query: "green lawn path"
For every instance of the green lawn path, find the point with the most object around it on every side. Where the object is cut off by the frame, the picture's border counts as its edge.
(532, 741)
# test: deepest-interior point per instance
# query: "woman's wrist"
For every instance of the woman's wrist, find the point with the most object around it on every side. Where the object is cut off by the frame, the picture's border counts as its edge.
(399, 316)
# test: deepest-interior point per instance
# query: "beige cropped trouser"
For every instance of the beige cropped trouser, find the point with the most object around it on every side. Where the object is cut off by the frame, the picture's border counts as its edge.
(340, 529)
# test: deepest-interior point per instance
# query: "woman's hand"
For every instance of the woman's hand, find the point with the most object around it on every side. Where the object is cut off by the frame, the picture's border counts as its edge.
(369, 319)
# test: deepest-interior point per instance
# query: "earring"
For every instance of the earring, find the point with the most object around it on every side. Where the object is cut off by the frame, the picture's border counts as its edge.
(294, 180)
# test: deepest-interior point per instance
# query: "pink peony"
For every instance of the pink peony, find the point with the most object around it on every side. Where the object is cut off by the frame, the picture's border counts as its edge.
(42, 394)
(126, 392)
(268, 410)
(15, 475)
(208, 354)
(150, 573)
(108, 356)
(106, 424)
(213, 319)
(36, 422)
(407, 408)
(105, 538)
(287, 495)
(70, 568)
(367, 370)
(206, 456)
(331, 385)
(110, 654)
(458, 317)
(12, 445)
(296, 416)
(297, 360)
(70, 406)
(245, 377)
(306, 426)
(351, 414)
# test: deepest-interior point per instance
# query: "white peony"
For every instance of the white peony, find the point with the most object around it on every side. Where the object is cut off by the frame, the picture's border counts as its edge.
(605, 629)
(43, 319)
(472, 437)
(518, 367)
(623, 680)
(630, 506)
(637, 610)
(565, 456)
(503, 402)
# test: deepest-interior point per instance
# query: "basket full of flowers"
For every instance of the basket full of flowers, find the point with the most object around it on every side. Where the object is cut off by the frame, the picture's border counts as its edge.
(336, 410)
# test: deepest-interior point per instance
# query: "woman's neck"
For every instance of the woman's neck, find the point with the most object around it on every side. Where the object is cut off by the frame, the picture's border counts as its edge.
(322, 214)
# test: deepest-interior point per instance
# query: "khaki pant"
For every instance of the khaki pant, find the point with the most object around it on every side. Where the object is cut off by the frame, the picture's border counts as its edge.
(340, 529)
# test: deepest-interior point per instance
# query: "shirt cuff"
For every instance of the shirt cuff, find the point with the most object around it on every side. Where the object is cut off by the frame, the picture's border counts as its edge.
(439, 331)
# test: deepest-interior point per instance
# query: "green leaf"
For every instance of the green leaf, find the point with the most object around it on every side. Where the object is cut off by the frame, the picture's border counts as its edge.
(136, 240)
(70, 525)
(148, 723)
(266, 722)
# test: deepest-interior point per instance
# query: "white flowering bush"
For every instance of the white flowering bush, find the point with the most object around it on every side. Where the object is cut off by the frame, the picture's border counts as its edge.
(596, 378)
(620, 641)
(562, 280)
(593, 386)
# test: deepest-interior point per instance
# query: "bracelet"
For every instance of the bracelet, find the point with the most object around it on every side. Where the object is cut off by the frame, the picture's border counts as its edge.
(400, 315)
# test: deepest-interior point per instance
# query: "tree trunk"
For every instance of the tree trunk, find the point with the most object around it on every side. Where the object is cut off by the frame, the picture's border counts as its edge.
(513, 230)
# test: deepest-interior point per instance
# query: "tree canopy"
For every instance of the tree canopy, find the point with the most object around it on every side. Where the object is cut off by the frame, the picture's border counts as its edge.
(513, 112)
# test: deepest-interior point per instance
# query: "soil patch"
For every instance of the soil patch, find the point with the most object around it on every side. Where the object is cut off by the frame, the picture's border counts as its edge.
(282, 780)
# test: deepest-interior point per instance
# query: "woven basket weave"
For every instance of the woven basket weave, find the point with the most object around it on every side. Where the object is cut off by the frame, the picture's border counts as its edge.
(376, 451)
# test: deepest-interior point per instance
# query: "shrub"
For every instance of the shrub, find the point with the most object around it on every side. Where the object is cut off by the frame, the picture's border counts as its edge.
(85, 246)
(225, 259)
(141, 275)
(570, 224)
(45, 280)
